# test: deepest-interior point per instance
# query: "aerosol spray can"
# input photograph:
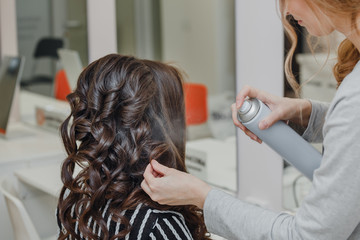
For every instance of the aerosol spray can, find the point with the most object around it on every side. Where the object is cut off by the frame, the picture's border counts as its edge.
(280, 137)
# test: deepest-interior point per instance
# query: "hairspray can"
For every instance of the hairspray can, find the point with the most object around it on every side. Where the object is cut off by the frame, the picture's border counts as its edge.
(280, 137)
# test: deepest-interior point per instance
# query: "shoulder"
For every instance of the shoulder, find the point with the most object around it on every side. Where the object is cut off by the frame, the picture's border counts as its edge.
(160, 224)
(346, 102)
(341, 129)
(350, 86)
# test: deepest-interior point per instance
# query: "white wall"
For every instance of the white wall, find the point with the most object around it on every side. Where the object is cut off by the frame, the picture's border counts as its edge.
(144, 29)
(9, 44)
(58, 12)
(8, 47)
(33, 20)
(225, 44)
(8, 34)
(101, 28)
(194, 37)
(259, 61)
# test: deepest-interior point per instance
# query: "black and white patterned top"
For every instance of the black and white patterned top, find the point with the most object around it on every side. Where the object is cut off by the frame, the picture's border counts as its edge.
(146, 223)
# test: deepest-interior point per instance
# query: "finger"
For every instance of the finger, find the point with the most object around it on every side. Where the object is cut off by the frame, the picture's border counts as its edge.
(251, 92)
(145, 186)
(153, 172)
(245, 92)
(252, 135)
(241, 126)
(234, 114)
(269, 120)
(159, 168)
(149, 174)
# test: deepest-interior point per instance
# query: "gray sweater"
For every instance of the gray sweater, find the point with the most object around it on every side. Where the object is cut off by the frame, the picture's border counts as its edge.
(332, 208)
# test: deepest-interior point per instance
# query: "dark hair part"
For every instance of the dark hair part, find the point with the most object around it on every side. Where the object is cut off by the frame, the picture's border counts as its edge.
(124, 112)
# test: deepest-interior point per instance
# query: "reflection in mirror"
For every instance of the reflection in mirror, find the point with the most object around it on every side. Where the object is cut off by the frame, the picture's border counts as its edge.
(139, 28)
(199, 37)
(43, 27)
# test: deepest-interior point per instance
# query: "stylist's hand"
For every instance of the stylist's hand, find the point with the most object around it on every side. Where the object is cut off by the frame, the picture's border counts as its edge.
(172, 187)
(295, 110)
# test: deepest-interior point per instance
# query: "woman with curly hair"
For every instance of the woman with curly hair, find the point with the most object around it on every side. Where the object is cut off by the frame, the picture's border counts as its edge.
(124, 112)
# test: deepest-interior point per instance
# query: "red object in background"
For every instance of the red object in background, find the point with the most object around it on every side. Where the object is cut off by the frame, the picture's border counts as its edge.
(195, 103)
(62, 87)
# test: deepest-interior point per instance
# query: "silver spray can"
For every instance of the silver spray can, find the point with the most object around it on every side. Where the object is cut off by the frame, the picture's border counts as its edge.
(280, 137)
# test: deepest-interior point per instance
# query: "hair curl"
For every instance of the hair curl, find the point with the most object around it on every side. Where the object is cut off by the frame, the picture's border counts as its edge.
(348, 54)
(124, 112)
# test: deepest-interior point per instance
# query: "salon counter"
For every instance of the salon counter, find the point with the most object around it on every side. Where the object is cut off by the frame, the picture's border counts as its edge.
(28, 146)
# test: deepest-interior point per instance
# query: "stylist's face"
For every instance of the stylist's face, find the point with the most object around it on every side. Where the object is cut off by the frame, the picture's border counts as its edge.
(312, 18)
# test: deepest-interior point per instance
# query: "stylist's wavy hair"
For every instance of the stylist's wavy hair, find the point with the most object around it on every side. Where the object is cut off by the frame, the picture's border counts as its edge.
(124, 112)
(348, 55)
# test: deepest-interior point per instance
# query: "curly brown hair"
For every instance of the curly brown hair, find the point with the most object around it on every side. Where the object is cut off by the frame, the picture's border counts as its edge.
(124, 112)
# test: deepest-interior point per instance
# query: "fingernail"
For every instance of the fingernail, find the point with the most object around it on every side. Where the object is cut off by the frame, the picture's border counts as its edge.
(238, 105)
(263, 125)
(152, 162)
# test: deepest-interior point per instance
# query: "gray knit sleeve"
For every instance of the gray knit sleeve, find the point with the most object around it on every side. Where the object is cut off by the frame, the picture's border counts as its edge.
(232, 218)
(313, 132)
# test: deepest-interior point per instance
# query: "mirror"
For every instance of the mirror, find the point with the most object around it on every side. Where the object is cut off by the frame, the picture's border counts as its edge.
(44, 26)
(198, 37)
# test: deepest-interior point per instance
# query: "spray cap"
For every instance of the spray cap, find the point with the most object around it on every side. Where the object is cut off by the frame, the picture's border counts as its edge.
(248, 110)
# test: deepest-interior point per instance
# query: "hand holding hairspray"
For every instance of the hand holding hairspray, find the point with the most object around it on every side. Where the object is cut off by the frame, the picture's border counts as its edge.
(280, 137)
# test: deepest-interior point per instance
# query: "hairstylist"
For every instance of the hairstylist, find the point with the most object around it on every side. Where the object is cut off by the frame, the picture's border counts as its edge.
(332, 208)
